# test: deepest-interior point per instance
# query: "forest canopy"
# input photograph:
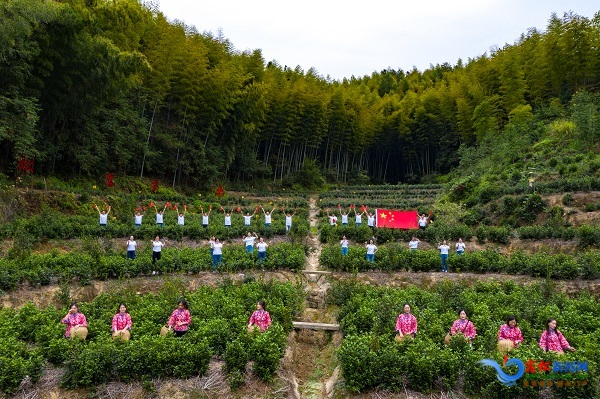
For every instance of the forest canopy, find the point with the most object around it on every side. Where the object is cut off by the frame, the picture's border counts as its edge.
(89, 87)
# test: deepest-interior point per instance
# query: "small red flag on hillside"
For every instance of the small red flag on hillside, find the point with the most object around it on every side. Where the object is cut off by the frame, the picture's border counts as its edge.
(25, 165)
(219, 192)
(109, 180)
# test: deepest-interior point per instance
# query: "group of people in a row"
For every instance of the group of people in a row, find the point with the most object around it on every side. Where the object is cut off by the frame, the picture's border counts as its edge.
(509, 335)
(413, 245)
(178, 323)
(358, 217)
(216, 248)
(227, 215)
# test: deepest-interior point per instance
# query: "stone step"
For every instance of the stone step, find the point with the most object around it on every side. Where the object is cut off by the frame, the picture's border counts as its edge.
(321, 272)
(315, 326)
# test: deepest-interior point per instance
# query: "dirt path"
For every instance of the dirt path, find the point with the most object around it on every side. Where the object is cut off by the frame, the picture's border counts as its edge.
(312, 263)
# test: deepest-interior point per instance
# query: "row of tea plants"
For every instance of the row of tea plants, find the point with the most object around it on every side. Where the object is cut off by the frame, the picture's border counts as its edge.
(397, 257)
(93, 262)
(370, 357)
(31, 337)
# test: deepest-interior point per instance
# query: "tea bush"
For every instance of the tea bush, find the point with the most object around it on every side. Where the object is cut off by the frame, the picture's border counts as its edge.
(370, 358)
(396, 257)
(219, 316)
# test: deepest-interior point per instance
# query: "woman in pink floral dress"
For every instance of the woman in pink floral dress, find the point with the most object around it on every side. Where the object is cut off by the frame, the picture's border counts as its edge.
(121, 323)
(553, 340)
(463, 326)
(260, 317)
(510, 332)
(73, 319)
(180, 319)
(406, 325)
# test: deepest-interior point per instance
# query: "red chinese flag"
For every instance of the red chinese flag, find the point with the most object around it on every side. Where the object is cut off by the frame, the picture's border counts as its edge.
(239, 209)
(396, 219)
(220, 191)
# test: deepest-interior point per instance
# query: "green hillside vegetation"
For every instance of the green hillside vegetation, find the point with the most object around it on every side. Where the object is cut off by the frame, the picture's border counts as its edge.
(95, 87)
(108, 103)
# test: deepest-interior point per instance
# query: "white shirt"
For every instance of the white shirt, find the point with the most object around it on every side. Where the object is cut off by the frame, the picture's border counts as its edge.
(159, 218)
(345, 218)
(103, 218)
(413, 244)
(227, 220)
(371, 249)
(247, 220)
(332, 220)
(444, 249)
(268, 218)
(180, 220)
(370, 220)
(262, 246)
(249, 241)
(131, 245)
(460, 246)
(422, 221)
(137, 219)
(157, 246)
(217, 248)
(358, 218)
(204, 219)
(288, 220)
(344, 243)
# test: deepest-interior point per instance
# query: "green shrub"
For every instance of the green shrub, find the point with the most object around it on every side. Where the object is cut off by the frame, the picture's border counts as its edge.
(267, 350)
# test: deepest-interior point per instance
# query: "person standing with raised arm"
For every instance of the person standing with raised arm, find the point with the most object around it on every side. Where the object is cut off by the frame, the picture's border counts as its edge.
(137, 217)
(371, 220)
(103, 215)
(248, 218)
(332, 218)
(205, 216)
(288, 219)
(343, 216)
(160, 216)
(422, 221)
(227, 217)
(181, 215)
(358, 216)
(267, 216)
(249, 242)
(413, 244)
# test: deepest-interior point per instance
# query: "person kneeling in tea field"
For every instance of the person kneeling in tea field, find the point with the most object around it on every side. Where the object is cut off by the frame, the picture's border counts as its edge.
(121, 324)
(462, 326)
(553, 340)
(260, 318)
(406, 325)
(76, 323)
(509, 335)
(179, 321)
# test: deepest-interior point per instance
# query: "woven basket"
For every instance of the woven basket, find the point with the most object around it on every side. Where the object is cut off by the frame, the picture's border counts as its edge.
(79, 332)
(505, 345)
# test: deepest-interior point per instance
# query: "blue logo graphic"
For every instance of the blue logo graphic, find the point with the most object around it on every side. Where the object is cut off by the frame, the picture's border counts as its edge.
(506, 379)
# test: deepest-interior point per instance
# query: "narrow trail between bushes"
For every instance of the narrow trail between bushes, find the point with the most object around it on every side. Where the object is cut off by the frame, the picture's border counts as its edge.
(309, 364)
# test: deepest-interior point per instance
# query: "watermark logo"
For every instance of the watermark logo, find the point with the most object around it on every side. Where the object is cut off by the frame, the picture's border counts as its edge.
(505, 378)
(541, 373)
